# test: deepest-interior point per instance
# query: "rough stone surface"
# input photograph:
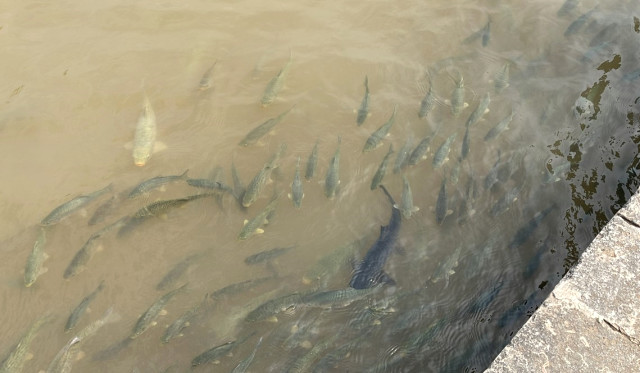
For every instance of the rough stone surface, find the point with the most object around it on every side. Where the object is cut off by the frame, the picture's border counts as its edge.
(591, 321)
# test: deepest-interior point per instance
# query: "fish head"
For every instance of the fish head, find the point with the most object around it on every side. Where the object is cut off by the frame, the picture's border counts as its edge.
(140, 158)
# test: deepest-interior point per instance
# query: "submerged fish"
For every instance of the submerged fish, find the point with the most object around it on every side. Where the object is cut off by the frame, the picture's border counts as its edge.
(72, 206)
(275, 84)
(363, 111)
(445, 269)
(206, 80)
(382, 169)
(337, 298)
(254, 188)
(457, 96)
(369, 271)
(182, 322)
(332, 263)
(505, 202)
(499, 128)
(492, 175)
(148, 318)
(238, 287)
(238, 187)
(102, 211)
(482, 108)
(80, 308)
(419, 153)
(297, 193)
(274, 306)
(427, 102)
(576, 25)
(523, 234)
(406, 204)
(244, 364)
(156, 182)
(312, 162)
(254, 225)
(256, 134)
(443, 151)
(402, 159)
(14, 362)
(37, 257)
(441, 203)
(376, 138)
(145, 135)
(332, 180)
(501, 80)
(465, 144)
(170, 279)
(567, 7)
(267, 255)
(484, 34)
(217, 352)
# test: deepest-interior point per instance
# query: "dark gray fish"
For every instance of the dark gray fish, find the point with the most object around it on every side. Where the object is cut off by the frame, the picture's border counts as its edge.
(441, 203)
(505, 202)
(482, 108)
(80, 308)
(382, 169)
(238, 187)
(274, 306)
(523, 234)
(267, 255)
(499, 128)
(148, 318)
(332, 263)
(182, 322)
(402, 159)
(256, 134)
(376, 138)
(102, 211)
(419, 153)
(427, 102)
(363, 111)
(72, 206)
(276, 83)
(465, 144)
(332, 180)
(312, 162)
(36, 258)
(443, 151)
(210, 184)
(175, 273)
(244, 364)
(217, 352)
(156, 182)
(606, 34)
(337, 298)
(492, 175)
(457, 96)
(501, 80)
(297, 193)
(369, 271)
(576, 25)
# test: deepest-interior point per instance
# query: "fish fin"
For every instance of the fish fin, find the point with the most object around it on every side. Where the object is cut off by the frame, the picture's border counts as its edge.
(99, 248)
(384, 278)
(259, 231)
(80, 355)
(306, 280)
(45, 256)
(162, 312)
(28, 356)
(451, 272)
(158, 146)
(415, 209)
(466, 105)
(42, 271)
(486, 110)
(289, 196)
(272, 319)
(245, 222)
(154, 323)
(163, 217)
(187, 324)
(306, 345)
(449, 212)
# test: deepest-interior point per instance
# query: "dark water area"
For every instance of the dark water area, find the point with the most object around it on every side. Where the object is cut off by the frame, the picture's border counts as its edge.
(169, 278)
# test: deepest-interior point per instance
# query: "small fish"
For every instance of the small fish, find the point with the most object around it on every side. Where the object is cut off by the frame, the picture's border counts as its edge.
(312, 162)
(454, 176)
(297, 193)
(102, 211)
(332, 180)
(182, 322)
(37, 257)
(206, 80)
(238, 187)
(145, 135)
(376, 138)
(501, 80)
(402, 159)
(382, 169)
(465, 144)
(244, 364)
(148, 318)
(445, 269)
(63, 360)
(14, 362)
(576, 25)
(523, 234)
(238, 287)
(80, 308)
(504, 203)
(419, 153)
(567, 7)
(267, 255)
(274, 306)
(330, 264)
(406, 204)
(499, 128)
(492, 175)
(213, 354)
(303, 364)
(363, 111)
(441, 203)
(275, 84)
(337, 298)
(254, 188)
(156, 182)
(482, 108)
(256, 134)
(209, 184)
(254, 225)
(443, 151)
(484, 34)
(427, 102)
(72, 206)
(457, 96)
(170, 279)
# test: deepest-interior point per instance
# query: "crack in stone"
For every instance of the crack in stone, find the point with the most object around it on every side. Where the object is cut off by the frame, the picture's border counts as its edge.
(629, 220)
(618, 329)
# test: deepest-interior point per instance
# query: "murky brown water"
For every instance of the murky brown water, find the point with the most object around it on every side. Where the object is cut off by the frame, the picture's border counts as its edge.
(75, 77)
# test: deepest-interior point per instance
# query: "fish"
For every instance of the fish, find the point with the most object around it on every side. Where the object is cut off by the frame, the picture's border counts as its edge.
(254, 225)
(567, 7)
(332, 180)
(87, 250)
(419, 153)
(257, 183)
(63, 360)
(153, 183)
(499, 128)
(427, 102)
(35, 260)
(329, 265)
(217, 352)
(382, 169)
(558, 172)
(337, 298)
(147, 319)
(238, 187)
(81, 308)
(238, 287)
(312, 162)
(363, 111)
(406, 204)
(144, 137)
(482, 108)
(376, 138)
(72, 206)
(102, 211)
(501, 80)
(182, 322)
(275, 84)
(274, 306)
(576, 25)
(523, 234)
(504, 203)
(465, 144)
(402, 159)
(492, 175)
(445, 269)
(303, 364)
(369, 271)
(454, 176)
(206, 80)
(170, 279)
(244, 364)
(443, 151)
(441, 203)
(210, 184)
(14, 362)
(484, 33)
(457, 96)
(256, 134)
(267, 255)
(297, 193)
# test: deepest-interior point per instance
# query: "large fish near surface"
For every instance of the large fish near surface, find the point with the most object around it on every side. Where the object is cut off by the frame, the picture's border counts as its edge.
(312, 162)
(363, 111)
(254, 225)
(145, 135)
(376, 138)
(14, 362)
(370, 272)
(72, 206)
(382, 169)
(275, 84)
(297, 192)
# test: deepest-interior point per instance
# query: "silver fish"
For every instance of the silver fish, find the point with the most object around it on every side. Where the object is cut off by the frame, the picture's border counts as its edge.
(275, 84)
(312, 162)
(427, 102)
(80, 308)
(254, 188)
(501, 80)
(253, 226)
(256, 134)
(363, 111)
(465, 144)
(376, 138)
(238, 187)
(402, 159)
(176, 272)
(332, 180)
(244, 364)
(145, 134)
(406, 204)
(72, 206)
(297, 193)
(441, 203)
(419, 153)
(34, 267)
(480, 110)
(499, 128)
(267, 255)
(14, 362)
(382, 169)
(148, 318)
(156, 182)
(443, 151)
(457, 96)
(102, 211)
(182, 322)
(445, 269)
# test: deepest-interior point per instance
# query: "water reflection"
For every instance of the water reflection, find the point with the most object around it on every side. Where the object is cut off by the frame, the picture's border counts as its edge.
(508, 201)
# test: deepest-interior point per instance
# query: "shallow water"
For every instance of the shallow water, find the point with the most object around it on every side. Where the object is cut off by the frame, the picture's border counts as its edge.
(75, 79)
